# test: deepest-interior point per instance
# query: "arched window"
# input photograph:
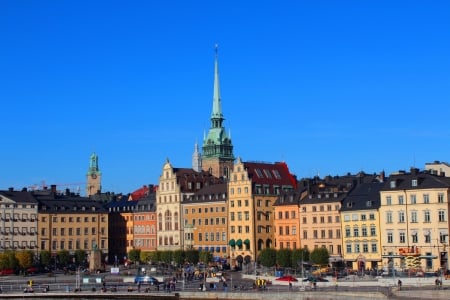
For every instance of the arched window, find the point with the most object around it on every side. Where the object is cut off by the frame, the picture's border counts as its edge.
(175, 216)
(168, 220)
(160, 218)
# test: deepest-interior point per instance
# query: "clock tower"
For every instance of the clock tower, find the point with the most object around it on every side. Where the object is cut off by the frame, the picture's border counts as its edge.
(94, 176)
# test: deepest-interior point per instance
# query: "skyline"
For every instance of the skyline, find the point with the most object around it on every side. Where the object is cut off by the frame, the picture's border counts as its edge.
(330, 88)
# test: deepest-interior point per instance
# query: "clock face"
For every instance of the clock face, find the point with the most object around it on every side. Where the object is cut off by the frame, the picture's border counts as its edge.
(94, 176)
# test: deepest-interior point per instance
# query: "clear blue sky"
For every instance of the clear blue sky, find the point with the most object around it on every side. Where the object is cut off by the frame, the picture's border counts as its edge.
(330, 87)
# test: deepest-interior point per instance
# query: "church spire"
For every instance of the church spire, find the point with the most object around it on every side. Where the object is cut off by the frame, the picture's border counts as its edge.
(196, 159)
(216, 116)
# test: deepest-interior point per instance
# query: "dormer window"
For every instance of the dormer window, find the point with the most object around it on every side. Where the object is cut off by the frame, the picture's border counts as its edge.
(393, 184)
(414, 182)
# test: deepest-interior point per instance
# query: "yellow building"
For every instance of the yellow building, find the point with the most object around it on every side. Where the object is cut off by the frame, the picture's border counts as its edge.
(414, 221)
(361, 238)
(252, 190)
(68, 222)
(205, 221)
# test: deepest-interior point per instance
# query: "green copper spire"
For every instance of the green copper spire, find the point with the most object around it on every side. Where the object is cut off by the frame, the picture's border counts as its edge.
(216, 116)
(217, 143)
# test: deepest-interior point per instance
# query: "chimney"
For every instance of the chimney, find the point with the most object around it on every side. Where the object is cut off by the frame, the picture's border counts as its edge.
(24, 189)
(414, 171)
(382, 176)
(53, 188)
(11, 189)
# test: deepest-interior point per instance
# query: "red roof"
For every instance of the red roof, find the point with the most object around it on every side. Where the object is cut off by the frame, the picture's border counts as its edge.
(271, 174)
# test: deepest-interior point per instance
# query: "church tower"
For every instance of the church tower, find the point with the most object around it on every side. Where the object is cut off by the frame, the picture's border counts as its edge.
(217, 147)
(196, 159)
(94, 177)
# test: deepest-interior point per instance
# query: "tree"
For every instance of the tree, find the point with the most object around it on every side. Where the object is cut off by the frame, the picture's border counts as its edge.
(192, 256)
(205, 257)
(268, 257)
(298, 256)
(63, 257)
(166, 256)
(155, 256)
(9, 260)
(80, 256)
(134, 255)
(25, 258)
(320, 256)
(145, 257)
(178, 257)
(284, 257)
(45, 257)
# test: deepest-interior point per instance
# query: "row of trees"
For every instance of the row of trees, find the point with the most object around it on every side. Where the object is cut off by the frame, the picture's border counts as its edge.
(24, 259)
(269, 257)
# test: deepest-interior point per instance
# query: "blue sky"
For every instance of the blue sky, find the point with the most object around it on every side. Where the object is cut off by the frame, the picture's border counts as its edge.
(330, 87)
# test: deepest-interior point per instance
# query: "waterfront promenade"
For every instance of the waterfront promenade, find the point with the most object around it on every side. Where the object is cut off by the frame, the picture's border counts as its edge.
(346, 289)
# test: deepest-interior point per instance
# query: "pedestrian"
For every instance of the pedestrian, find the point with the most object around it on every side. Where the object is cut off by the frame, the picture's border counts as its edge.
(225, 287)
(139, 286)
(290, 285)
(399, 285)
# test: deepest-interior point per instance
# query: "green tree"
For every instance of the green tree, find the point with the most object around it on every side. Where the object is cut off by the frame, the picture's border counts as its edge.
(205, 257)
(166, 256)
(155, 256)
(320, 256)
(80, 256)
(45, 257)
(192, 256)
(145, 256)
(11, 260)
(298, 256)
(284, 257)
(25, 258)
(268, 257)
(178, 257)
(63, 257)
(134, 255)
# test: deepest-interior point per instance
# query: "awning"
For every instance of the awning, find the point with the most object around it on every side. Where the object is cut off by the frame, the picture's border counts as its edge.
(232, 243)
(247, 242)
(239, 242)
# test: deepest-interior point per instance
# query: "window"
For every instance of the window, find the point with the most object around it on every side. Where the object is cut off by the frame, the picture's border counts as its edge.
(304, 220)
(287, 230)
(305, 234)
(357, 248)
(400, 200)
(294, 230)
(441, 215)
(414, 182)
(330, 233)
(232, 203)
(414, 217)
(322, 233)
(314, 209)
(355, 217)
(374, 248)
(413, 199)
(239, 203)
(246, 215)
(337, 219)
(364, 231)
(349, 248)
(365, 248)
(200, 237)
(280, 230)
(401, 217)
(338, 235)
(371, 217)
(427, 217)
(355, 231)
(390, 238)
(293, 215)
(322, 219)
(389, 217)
(314, 220)
(286, 215)
(347, 232)
(346, 218)
(363, 217)
(315, 234)
(414, 238)
(388, 200)
(440, 198)
(428, 237)
(373, 230)
(402, 238)
(280, 215)
(426, 198)
(239, 216)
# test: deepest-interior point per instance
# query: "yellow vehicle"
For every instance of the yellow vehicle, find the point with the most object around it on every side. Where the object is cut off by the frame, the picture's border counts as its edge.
(318, 270)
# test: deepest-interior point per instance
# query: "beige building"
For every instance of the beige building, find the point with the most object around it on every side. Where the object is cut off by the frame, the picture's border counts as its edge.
(176, 185)
(94, 177)
(252, 190)
(414, 221)
(18, 221)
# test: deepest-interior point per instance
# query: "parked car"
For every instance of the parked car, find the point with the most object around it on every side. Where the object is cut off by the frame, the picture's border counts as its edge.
(32, 270)
(147, 280)
(9, 271)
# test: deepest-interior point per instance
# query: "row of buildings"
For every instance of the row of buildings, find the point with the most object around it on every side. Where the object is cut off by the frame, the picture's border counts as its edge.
(235, 209)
